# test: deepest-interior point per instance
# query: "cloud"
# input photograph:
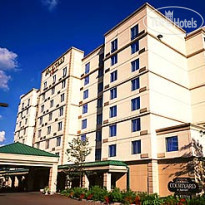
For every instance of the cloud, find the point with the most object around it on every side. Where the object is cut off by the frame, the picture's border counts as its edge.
(0, 116)
(4, 79)
(8, 62)
(2, 136)
(7, 59)
(50, 4)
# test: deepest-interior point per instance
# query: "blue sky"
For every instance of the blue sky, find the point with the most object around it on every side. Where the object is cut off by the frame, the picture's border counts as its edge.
(33, 33)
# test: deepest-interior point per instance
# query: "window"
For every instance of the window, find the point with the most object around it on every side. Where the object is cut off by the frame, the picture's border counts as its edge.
(84, 123)
(58, 141)
(37, 145)
(112, 150)
(85, 94)
(52, 90)
(136, 147)
(136, 125)
(113, 76)
(62, 97)
(50, 116)
(42, 108)
(172, 144)
(135, 84)
(98, 136)
(135, 104)
(26, 121)
(114, 45)
(51, 103)
(61, 111)
(99, 119)
(86, 80)
(99, 102)
(113, 93)
(54, 78)
(45, 84)
(100, 87)
(49, 130)
(64, 71)
(27, 111)
(24, 131)
(63, 83)
(134, 32)
(28, 102)
(60, 126)
(113, 111)
(85, 108)
(100, 72)
(135, 65)
(114, 59)
(40, 120)
(22, 105)
(47, 144)
(57, 153)
(113, 130)
(83, 137)
(134, 47)
(87, 68)
(98, 154)
(39, 133)
(43, 96)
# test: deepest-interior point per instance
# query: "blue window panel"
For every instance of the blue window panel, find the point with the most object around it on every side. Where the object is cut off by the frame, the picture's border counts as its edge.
(100, 87)
(83, 137)
(86, 80)
(85, 94)
(113, 93)
(112, 150)
(98, 136)
(114, 59)
(172, 144)
(136, 147)
(99, 119)
(135, 84)
(87, 68)
(84, 124)
(100, 72)
(135, 104)
(98, 154)
(114, 45)
(134, 47)
(135, 65)
(113, 111)
(134, 32)
(85, 108)
(113, 130)
(113, 76)
(99, 102)
(136, 125)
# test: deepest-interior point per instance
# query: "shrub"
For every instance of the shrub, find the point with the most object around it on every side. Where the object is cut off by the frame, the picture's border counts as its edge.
(115, 195)
(128, 197)
(78, 191)
(98, 193)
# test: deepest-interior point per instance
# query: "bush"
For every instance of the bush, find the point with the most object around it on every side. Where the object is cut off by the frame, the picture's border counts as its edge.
(78, 192)
(98, 193)
(115, 195)
(128, 197)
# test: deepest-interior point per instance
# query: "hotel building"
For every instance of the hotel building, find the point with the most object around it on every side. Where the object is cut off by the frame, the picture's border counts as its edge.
(139, 98)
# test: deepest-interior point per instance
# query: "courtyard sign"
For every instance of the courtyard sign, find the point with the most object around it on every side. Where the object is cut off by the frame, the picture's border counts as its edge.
(183, 186)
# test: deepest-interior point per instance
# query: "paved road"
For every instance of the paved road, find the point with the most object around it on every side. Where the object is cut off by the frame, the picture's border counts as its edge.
(33, 198)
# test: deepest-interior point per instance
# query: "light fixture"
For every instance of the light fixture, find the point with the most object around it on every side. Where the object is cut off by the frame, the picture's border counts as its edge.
(159, 36)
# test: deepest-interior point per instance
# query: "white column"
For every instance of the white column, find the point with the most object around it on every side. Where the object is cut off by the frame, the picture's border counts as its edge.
(86, 181)
(107, 180)
(53, 178)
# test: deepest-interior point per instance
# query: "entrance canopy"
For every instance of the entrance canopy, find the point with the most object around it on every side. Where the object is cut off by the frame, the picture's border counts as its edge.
(19, 155)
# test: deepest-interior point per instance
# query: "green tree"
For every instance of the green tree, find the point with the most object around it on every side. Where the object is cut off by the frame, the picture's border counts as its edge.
(77, 152)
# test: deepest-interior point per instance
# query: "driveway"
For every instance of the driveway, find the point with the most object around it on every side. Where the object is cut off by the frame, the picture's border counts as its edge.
(33, 198)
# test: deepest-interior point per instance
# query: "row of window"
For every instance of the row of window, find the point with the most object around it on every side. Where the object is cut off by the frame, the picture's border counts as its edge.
(171, 145)
(54, 77)
(58, 143)
(28, 103)
(60, 128)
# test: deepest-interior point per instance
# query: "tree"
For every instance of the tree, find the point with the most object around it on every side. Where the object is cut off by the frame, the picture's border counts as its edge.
(78, 151)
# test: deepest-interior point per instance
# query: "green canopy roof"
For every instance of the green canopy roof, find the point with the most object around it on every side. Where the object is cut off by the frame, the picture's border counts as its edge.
(96, 164)
(19, 148)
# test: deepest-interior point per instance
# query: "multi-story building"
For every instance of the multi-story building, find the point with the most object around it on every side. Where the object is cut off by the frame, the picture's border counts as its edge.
(138, 98)
(26, 118)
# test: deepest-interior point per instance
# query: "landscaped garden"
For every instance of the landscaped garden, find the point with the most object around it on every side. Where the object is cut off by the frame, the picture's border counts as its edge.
(127, 197)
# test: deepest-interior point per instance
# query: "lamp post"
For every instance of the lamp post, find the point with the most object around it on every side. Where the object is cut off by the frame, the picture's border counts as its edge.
(4, 105)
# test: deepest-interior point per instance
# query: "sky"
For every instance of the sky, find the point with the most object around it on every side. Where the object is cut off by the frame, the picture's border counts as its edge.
(33, 33)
